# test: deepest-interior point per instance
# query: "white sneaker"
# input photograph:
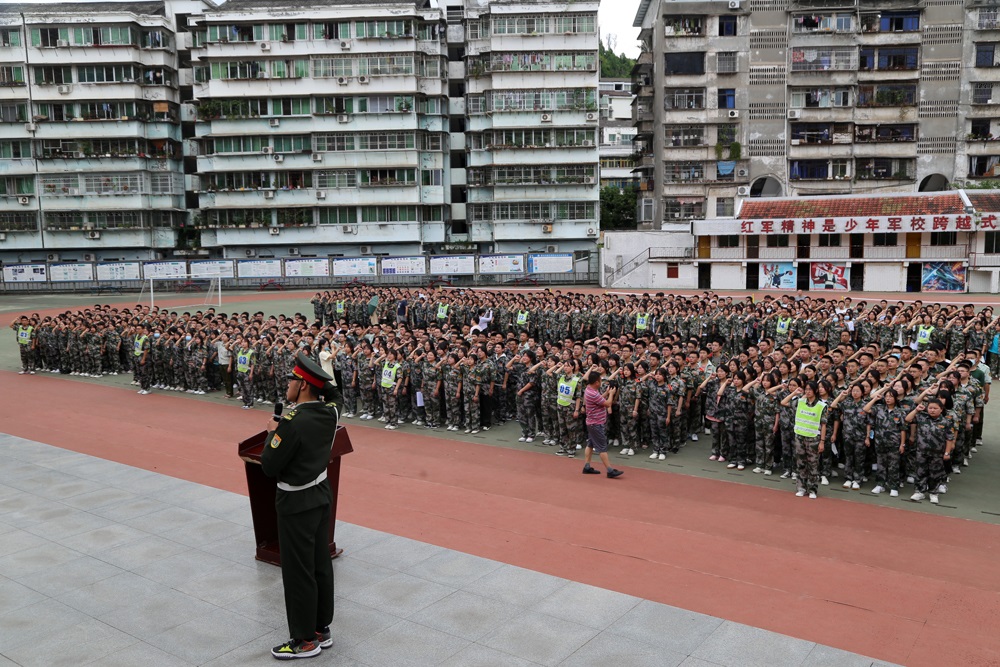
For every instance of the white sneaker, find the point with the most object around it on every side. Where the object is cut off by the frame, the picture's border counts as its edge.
(662, 456)
(909, 479)
(579, 447)
(822, 480)
(381, 419)
(730, 465)
(847, 484)
(894, 493)
(877, 490)
(521, 439)
(526, 439)
(800, 493)
(694, 437)
(965, 461)
(917, 497)
(974, 450)
(623, 452)
(475, 431)
(856, 485)
(630, 452)
(795, 476)
(758, 470)
(767, 472)
(942, 488)
(934, 498)
(708, 431)
(468, 430)
(785, 475)
(740, 466)
(840, 465)
(653, 455)
(143, 392)
(956, 470)
(25, 373)
(812, 494)
(419, 422)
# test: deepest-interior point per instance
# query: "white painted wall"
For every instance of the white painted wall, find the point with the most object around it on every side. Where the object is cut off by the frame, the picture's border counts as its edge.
(621, 247)
(885, 277)
(728, 276)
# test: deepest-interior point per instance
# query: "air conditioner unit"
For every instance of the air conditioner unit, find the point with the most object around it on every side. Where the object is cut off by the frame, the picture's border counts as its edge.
(546, 229)
(362, 79)
(251, 252)
(52, 257)
(89, 257)
(348, 229)
(320, 194)
(62, 42)
(275, 122)
(265, 46)
(64, 89)
(734, 113)
(794, 114)
(269, 194)
(591, 232)
(24, 201)
(589, 180)
(734, 4)
(92, 235)
(546, 118)
(345, 44)
(317, 157)
(274, 231)
(551, 248)
(343, 81)
(30, 127)
(591, 116)
(796, 142)
(588, 142)
(743, 191)
(267, 150)
(343, 118)
(688, 253)
(742, 173)
(279, 158)
(293, 251)
(366, 250)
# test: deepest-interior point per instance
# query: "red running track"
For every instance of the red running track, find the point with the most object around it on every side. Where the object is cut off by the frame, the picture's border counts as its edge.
(899, 586)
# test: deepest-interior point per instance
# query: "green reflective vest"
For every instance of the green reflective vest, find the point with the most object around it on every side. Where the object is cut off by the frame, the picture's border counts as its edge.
(442, 311)
(389, 375)
(24, 335)
(924, 334)
(522, 317)
(783, 323)
(642, 321)
(340, 307)
(567, 388)
(138, 345)
(808, 417)
(243, 360)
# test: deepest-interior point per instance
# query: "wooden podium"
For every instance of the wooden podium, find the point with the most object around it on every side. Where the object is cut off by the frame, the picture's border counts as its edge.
(262, 491)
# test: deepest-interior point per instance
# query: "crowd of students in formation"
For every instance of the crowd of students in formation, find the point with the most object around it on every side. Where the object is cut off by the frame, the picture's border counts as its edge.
(817, 390)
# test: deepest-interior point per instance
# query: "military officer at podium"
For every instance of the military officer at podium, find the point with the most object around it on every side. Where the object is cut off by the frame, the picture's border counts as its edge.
(296, 452)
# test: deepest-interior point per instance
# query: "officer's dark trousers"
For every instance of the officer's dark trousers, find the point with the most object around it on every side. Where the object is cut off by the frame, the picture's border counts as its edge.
(306, 570)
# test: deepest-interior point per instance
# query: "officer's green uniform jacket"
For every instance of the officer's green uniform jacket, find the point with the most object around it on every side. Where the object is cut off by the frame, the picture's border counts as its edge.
(297, 452)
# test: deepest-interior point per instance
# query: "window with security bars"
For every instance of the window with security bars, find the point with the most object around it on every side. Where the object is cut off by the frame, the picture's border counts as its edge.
(819, 98)
(683, 172)
(726, 62)
(982, 93)
(18, 221)
(338, 216)
(112, 184)
(823, 59)
(17, 185)
(725, 206)
(892, 58)
(884, 169)
(11, 75)
(988, 18)
(684, 98)
(575, 211)
(675, 208)
(388, 214)
(11, 150)
(683, 135)
(343, 178)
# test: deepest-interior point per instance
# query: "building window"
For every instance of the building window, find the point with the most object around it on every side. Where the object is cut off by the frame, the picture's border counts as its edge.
(890, 58)
(987, 55)
(777, 241)
(728, 133)
(726, 62)
(725, 206)
(682, 208)
(684, 63)
(887, 169)
(829, 240)
(944, 238)
(884, 240)
(980, 166)
(813, 170)
(992, 243)
(728, 241)
(820, 98)
(727, 98)
(673, 270)
(822, 59)
(891, 22)
(727, 26)
(684, 98)
(989, 18)
(982, 93)
(979, 128)
(886, 133)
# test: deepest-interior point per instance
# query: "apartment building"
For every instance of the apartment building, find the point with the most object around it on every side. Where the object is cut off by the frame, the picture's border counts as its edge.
(749, 98)
(617, 133)
(91, 143)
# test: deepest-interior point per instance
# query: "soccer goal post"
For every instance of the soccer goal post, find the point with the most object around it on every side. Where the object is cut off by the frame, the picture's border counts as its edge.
(188, 290)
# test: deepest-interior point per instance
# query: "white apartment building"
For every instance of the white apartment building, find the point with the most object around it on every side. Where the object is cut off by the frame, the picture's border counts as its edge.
(618, 134)
(90, 136)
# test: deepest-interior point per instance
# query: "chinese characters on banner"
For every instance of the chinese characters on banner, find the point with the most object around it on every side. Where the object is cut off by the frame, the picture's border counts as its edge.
(876, 225)
(826, 275)
(778, 275)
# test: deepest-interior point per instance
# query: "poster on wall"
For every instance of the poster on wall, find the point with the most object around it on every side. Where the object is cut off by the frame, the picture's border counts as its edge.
(258, 268)
(550, 263)
(118, 271)
(164, 269)
(778, 275)
(404, 266)
(354, 266)
(829, 276)
(65, 273)
(455, 265)
(301, 268)
(24, 273)
(943, 277)
(501, 263)
(216, 268)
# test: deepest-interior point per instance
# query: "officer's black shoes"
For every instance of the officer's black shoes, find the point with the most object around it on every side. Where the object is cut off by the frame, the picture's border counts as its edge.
(587, 470)
(324, 638)
(296, 648)
(615, 473)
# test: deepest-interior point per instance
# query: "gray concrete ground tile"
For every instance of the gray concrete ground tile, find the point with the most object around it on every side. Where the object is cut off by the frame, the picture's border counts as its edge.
(265, 606)
(145, 551)
(189, 493)
(97, 470)
(26, 562)
(38, 513)
(101, 497)
(405, 644)
(477, 655)
(106, 595)
(354, 623)
(14, 595)
(677, 630)
(589, 605)
(69, 576)
(827, 656)
(230, 583)
(69, 521)
(453, 568)
(72, 646)
(354, 537)
(611, 649)
(466, 615)
(737, 645)
(400, 594)
(216, 633)
(543, 639)
(134, 480)
(142, 654)
(20, 507)
(397, 552)
(68, 488)
(516, 585)
(352, 575)
(257, 653)
(41, 480)
(164, 521)
(99, 540)
(15, 540)
(4, 662)
(152, 615)
(182, 567)
(131, 508)
(239, 548)
(35, 622)
(222, 505)
(698, 662)
(203, 530)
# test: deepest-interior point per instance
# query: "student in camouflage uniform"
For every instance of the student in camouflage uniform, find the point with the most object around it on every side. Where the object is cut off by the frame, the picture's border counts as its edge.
(737, 408)
(526, 381)
(933, 436)
(628, 405)
(471, 388)
(140, 353)
(568, 397)
(366, 382)
(854, 436)
(346, 365)
(245, 362)
(888, 424)
(658, 411)
(112, 350)
(765, 420)
(195, 356)
(453, 392)
(26, 342)
(431, 388)
(810, 436)
(178, 362)
(548, 421)
(414, 371)
(714, 413)
(677, 428)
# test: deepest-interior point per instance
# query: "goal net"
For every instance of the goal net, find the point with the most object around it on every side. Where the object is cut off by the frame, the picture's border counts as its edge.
(188, 290)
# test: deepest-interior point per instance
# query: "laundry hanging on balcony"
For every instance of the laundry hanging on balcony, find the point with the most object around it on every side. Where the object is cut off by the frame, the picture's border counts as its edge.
(725, 168)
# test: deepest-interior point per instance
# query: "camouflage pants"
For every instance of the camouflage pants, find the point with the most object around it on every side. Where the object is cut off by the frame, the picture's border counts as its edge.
(390, 405)
(720, 440)
(887, 455)
(432, 406)
(144, 371)
(27, 358)
(472, 416)
(659, 433)
(764, 429)
(695, 416)
(807, 462)
(855, 454)
(453, 407)
(787, 447)
(676, 432)
(245, 387)
(738, 436)
(195, 377)
(112, 361)
(547, 416)
(527, 413)
(350, 399)
(629, 429)
(568, 426)
(930, 467)
(369, 402)
(645, 434)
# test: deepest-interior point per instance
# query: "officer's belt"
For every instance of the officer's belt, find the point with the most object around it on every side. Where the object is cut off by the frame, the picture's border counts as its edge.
(288, 487)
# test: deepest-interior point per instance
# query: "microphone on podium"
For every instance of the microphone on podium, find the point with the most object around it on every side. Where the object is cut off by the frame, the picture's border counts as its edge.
(278, 407)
